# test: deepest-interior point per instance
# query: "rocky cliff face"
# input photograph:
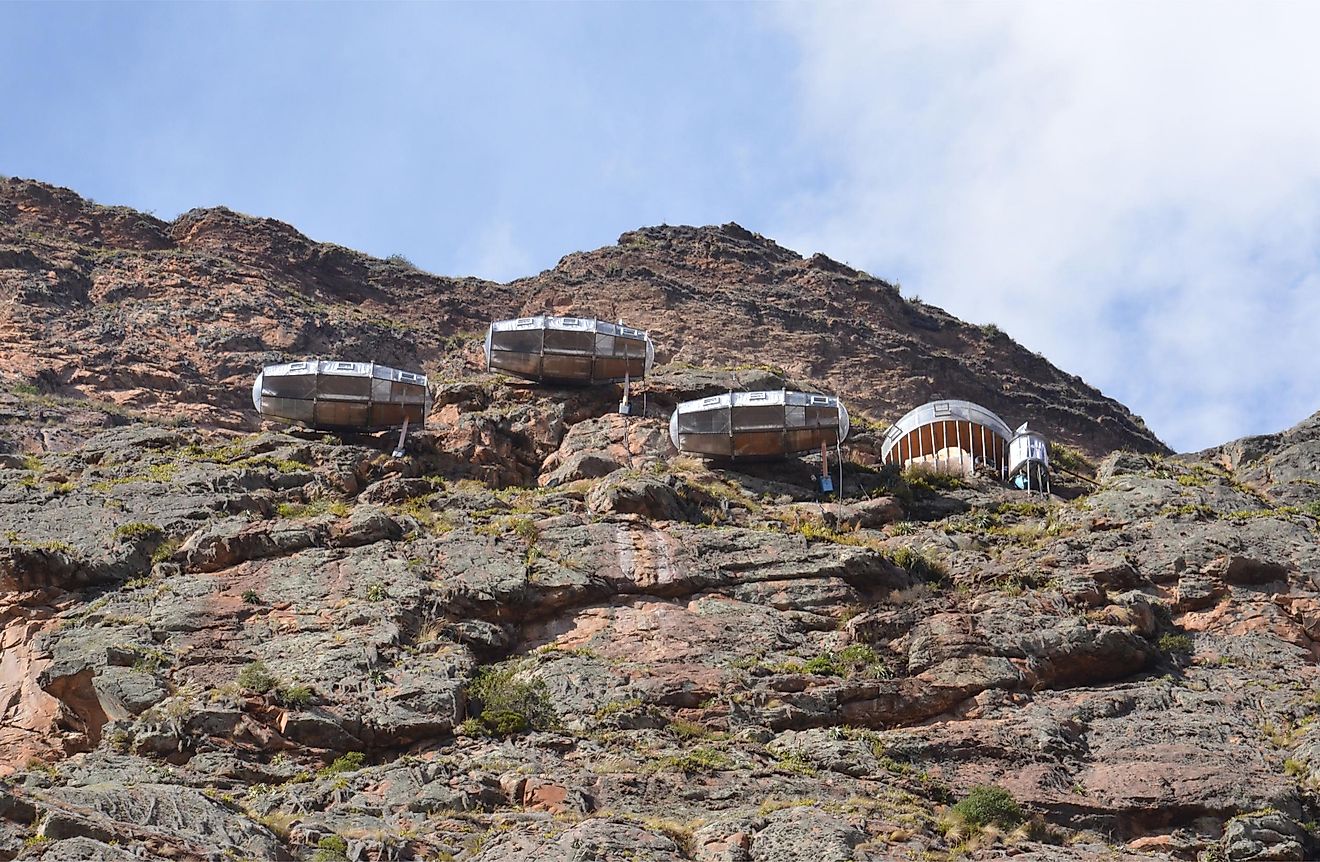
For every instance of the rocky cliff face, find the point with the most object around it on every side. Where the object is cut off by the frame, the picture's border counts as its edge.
(544, 636)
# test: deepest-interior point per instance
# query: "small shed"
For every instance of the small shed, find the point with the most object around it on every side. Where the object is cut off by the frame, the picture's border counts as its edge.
(1029, 460)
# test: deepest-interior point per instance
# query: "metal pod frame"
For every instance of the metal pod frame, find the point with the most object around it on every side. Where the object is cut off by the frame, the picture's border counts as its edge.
(580, 350)
(758, 425)
(334, 395)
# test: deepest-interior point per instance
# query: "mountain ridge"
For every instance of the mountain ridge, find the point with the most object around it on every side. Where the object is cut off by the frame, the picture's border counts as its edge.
(818, 320)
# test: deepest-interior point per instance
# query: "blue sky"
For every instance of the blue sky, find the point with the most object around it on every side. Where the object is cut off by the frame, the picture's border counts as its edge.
(1131, 189)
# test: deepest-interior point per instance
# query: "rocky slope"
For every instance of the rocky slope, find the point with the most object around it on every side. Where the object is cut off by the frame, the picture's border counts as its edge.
(174, 318)
(544, 636)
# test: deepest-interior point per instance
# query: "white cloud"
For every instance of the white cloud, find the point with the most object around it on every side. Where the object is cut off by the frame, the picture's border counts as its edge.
(1133, 189)
(494, 254)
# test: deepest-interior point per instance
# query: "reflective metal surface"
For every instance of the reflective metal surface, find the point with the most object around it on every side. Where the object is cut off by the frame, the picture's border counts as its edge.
(949, 435)
(332, 395)
(758, 425)
(1027, 447)
(568, 350)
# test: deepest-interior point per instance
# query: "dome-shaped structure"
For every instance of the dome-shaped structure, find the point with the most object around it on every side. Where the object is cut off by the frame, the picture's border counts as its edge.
(331, 395)
(568, 350)
(950, 436)
(1029, 460)
(758, 425)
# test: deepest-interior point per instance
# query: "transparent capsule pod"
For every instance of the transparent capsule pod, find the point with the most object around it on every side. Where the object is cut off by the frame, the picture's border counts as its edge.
(568, 350)
(758, 425)
(1029, 460)
(949, 436)
(341, 396)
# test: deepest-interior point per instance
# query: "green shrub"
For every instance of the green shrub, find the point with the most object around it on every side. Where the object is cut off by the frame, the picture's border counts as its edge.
(312, 509)
(685, 729)
(921, 477)
(331, 848)
(297, 695)
(508, 705)
(1176, 643)
(856, 658)
(502, 722)
(1070, 459)
(985, 806)
(137, 530)
(525, 528)
(615, 707)
(919, 564)
(350, 762)
(255, 677)
(165, 550)
(250, 597)
(703, 758)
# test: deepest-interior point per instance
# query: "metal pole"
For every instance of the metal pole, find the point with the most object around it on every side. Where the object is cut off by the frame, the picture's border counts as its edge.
(594, 355)
(540, 366)
(730, 423)
(962, 464)
(838, 451)
(403, 435)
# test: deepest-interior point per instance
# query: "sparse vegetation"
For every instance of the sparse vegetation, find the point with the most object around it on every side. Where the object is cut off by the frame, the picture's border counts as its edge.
(616, 707)
(350, 762)
(312, 509)
(923, 478)
(297, 696)
(137, 530)
(255, 677)
(508, 704)
(1176, 643)
(703, 758)
(920, 564)
(331, 848)
(855, 659)
(421, 511)
(165, 550)
(988, 806)
(1071, 459)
